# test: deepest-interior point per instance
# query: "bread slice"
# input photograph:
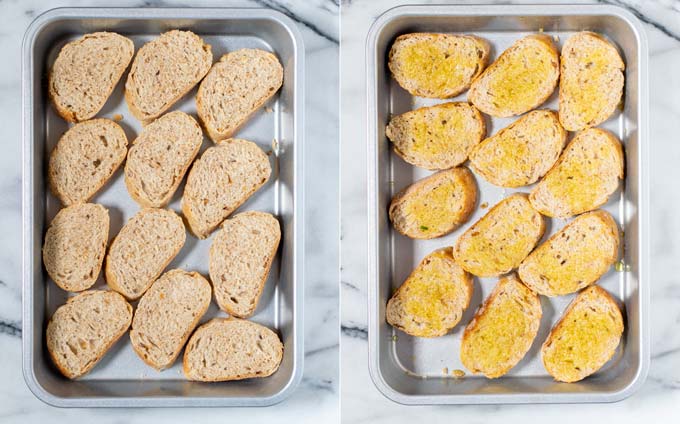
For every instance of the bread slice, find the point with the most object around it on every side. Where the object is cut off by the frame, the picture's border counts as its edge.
(224, 177)
(437, 137)
(523, 77)
(85, 73)
(437, 65)
(159, 158)
(501, 239)
(75, 244)
(237, 86)
(435, 205)
(164, 70)
(142, 249)
(591, 81)
(241, 256)
(583, 178)
(521, 153)
(433, 298)
(585, 337)
(502, 330)
(574, 257)
(167, 314)
(232, 349)
(84, 159)
(81, 331)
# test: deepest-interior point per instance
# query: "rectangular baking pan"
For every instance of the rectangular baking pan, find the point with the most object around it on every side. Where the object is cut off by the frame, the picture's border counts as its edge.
(413, 370)
(121, 379)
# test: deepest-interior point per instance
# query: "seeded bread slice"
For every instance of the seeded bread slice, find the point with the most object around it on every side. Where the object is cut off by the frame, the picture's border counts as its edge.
(84, 159)
(237, 86)
(85, 73)
(232, 349)
(81, 331)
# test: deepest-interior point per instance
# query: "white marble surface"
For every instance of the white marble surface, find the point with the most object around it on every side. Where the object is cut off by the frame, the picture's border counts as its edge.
(316, 398)
(659, 398)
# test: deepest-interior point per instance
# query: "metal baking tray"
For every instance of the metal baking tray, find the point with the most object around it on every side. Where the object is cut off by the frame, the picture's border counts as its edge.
(121, 379)
(414, 370)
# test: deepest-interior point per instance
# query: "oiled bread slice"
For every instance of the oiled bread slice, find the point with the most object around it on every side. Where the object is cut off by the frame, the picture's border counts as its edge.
(433, 298)
(241, 256)
(224, 177)
(591, 81)
(585, 337)
(75, 244)
(521, 153)
(83, 329)
(167, 314)
(85, 73)
(583, 178)
(164, 70)
(522, 78)
(236, 86)
(435, 205)
(502, 330)
(437, 65)
(142, 249)
(574, 257)
(232, 349)
(160, 156)
(501, 239)
(437, 137)
(84, 159)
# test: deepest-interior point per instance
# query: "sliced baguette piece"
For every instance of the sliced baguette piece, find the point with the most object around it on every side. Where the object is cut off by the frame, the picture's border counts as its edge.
(85, 73)
(232, 349)
(159, 158)
(583, 178)
(437, 65)
(241, 257)
(142, 249)
(84, 159)
(522, 78)
(502, 330)
(574, 257)
(164, 70)
(83, 329)
(224, 177)
(433, 298)
(167, 314)
(521, 153)
(585, 337)
(237, 86)
(591, 81)
(75, 245)
(501, 239)
(435, 205)
(437, 137)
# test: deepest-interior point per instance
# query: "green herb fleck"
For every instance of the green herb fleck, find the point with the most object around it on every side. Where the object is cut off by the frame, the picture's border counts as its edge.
(423, 228)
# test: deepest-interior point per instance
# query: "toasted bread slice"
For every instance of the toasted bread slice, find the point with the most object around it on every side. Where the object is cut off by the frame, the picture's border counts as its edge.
(237, 86)
(521, 153)
(159, 158)
(433, 298)
(591, 81)
(502, 330)
(437, 65)
(84, 159)
(437, 137)
(232, 349)
(81, 331)
(583, 178)
(585, 337)
(435, 205)
(501, 239)
(522, 78)
(574, 257)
